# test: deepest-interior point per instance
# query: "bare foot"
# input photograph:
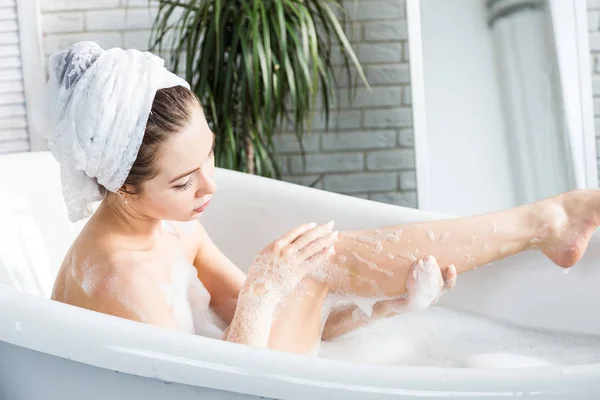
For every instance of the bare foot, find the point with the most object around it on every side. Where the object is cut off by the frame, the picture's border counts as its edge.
(569, 220)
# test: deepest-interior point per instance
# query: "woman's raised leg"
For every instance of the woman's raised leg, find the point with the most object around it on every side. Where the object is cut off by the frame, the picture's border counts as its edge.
(375, 263)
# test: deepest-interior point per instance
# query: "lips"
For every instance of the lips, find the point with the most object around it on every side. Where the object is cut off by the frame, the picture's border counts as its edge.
(202, 207)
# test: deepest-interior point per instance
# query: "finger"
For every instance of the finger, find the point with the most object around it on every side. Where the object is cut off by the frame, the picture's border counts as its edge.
(310, 236)
(292, 235)
(320, 258)
(450, 277)
(318, 246)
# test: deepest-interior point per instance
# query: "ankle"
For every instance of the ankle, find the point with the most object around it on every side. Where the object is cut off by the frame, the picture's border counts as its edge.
(548, 219)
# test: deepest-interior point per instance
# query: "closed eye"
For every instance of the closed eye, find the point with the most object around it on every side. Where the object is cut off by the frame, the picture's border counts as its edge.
(185, 186)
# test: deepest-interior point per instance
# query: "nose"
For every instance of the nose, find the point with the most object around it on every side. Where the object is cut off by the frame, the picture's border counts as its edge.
(206, 185)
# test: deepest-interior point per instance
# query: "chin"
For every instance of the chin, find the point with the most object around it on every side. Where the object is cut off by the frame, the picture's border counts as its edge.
(178, 218)
(186, 218)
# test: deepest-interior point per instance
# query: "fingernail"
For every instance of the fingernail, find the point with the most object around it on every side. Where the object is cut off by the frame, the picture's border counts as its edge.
(312, 224)
(330, 224)
(335, 234)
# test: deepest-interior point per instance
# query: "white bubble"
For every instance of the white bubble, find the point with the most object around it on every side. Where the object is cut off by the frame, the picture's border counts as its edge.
(372, 266)
(431, 235)
(444, 237)
(415, 339)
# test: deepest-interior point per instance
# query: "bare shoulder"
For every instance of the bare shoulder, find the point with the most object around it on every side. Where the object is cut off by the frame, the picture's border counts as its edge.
(94, 267)
(128, 290)
(100, 273)
(112, 280)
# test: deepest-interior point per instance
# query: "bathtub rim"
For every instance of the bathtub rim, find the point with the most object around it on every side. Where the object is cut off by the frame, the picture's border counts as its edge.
(138, 348)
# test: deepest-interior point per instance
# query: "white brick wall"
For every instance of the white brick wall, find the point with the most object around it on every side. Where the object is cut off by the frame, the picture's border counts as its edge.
(107, 22)
(369, 150)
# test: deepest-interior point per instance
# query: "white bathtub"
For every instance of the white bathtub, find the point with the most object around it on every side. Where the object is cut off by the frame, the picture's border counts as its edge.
(50, 350)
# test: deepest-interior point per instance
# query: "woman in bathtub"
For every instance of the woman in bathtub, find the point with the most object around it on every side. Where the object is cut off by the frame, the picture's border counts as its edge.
(131, 134)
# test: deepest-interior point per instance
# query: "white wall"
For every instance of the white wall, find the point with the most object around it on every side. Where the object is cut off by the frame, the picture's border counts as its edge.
(467, 153)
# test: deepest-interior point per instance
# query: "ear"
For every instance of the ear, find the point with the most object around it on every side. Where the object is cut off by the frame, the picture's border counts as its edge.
(126, 189)
(129, 191)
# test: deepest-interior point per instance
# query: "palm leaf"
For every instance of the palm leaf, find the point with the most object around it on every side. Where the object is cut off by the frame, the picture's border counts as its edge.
(256, 65)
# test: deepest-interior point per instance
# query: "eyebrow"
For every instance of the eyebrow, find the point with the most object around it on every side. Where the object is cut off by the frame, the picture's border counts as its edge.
(196, 169)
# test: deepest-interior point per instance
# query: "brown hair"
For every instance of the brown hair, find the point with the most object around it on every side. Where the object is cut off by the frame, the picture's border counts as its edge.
(171, 111)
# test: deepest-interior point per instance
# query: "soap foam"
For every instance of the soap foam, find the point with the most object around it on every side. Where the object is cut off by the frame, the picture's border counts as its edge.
(190, 301)
(504, 360)
(431, 236)
(372, 266)
(424, 286)
(374, 242)
(92, 275)
(443, 337)
(494, 226)
(444, 237)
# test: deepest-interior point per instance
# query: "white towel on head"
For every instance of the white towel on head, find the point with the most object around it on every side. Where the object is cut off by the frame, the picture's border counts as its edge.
(97, 106)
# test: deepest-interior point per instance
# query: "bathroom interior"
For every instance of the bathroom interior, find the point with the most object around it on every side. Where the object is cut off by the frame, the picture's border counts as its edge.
(502, 115)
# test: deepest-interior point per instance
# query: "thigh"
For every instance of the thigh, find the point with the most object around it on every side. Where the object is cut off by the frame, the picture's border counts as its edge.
(297, 325)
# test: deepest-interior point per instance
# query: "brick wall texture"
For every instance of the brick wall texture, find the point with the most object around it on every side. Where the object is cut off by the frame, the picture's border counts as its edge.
(368, 151)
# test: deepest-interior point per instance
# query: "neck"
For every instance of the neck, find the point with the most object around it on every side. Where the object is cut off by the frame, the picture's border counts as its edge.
(126, 220)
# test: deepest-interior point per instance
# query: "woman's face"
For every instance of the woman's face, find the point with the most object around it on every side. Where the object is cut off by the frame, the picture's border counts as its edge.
(184, 184)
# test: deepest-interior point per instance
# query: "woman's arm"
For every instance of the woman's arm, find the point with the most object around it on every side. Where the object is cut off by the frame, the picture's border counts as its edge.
(249, 315)
(252, 320)
(425, 284)
(274, 273)
(221, 277)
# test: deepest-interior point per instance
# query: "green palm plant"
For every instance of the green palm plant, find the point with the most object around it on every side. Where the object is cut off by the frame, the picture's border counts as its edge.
(256, 65)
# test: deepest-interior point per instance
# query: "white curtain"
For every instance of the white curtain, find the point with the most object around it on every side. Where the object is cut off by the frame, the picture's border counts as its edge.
(530, 85)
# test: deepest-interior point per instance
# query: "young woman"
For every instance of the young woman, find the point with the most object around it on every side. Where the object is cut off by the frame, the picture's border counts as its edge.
(131, 134)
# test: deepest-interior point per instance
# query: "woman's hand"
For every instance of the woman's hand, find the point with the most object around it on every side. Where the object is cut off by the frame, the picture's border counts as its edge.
(285, 262)
(275, 272)
(426, 283)
(424, 286)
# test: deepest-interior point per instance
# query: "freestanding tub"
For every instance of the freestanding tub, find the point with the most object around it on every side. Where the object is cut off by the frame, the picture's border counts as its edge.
(50, 350)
